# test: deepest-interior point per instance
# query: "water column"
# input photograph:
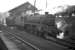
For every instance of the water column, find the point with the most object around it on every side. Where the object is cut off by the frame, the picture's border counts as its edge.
(3, 17)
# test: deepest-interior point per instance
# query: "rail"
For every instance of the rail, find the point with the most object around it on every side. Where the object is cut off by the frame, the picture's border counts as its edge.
(25, 42)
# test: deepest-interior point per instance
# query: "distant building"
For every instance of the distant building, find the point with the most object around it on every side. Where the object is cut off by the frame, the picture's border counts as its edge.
(23, 9)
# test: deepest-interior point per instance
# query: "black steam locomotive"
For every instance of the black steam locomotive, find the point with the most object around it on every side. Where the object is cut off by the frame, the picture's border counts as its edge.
(40, 25)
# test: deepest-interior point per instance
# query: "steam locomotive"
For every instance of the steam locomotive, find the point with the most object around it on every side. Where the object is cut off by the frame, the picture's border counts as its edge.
(40, 25)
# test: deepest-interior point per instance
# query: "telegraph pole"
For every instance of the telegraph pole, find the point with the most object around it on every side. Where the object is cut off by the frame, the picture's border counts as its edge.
(34, 5)
(46, 12)
(46, 3)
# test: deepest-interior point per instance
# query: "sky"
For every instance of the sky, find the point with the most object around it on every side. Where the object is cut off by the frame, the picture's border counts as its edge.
(6, 5)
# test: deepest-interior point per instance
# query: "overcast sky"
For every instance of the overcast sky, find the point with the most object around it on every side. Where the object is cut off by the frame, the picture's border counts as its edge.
(6, 5)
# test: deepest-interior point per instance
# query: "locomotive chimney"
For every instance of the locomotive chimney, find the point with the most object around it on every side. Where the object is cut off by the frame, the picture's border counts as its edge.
(46, 13)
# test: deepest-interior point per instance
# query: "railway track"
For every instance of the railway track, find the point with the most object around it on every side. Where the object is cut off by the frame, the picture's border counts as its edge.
(42, 43)
(19, 40)
(59, 41)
